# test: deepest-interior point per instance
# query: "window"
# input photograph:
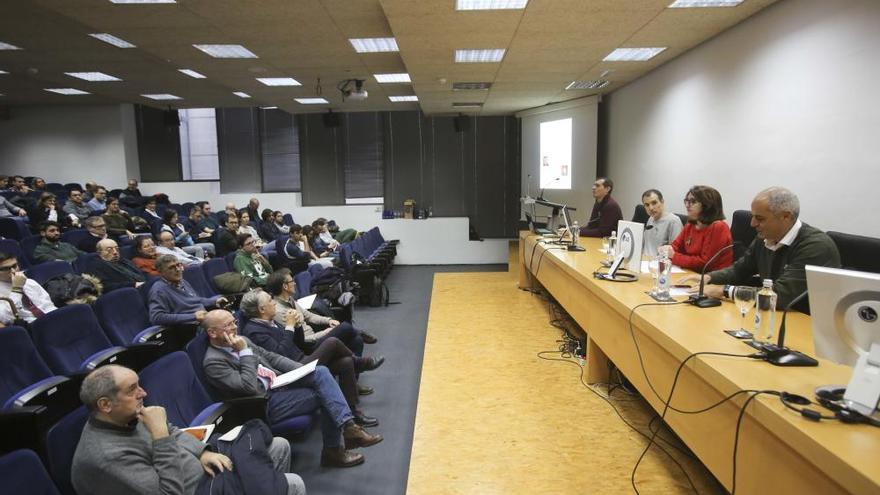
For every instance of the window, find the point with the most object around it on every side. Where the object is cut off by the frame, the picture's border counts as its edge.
(279, 145)
(198, 144)
(366, 154)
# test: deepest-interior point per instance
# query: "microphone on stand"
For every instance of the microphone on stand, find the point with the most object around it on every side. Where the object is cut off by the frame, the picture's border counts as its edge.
(541, 196)
(779, 355)
(701, 300)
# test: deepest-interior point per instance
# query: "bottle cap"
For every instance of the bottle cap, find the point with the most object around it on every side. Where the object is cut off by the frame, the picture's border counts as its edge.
(768, 282)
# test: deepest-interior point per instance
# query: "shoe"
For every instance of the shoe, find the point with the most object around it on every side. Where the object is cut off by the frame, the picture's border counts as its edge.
(355, 436)
(368, 338)
(371, 363)
(364, 420)
(339, 457)
(365, 389)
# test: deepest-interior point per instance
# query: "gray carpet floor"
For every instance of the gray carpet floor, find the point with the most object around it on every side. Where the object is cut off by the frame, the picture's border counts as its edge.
(401, 331)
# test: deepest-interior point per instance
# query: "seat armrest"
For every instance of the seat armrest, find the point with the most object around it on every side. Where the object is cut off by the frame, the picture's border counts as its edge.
(58, 395)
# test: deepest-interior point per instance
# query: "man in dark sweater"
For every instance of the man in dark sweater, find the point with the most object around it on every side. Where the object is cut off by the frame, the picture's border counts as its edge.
(128, 448)
(783, 246)
(173, 301)
(113, 270)
(606, 212)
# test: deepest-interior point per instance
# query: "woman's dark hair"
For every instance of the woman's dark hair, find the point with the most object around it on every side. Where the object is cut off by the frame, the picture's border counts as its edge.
(242, 238)
(275, 282)
(111, 200)
(710, 202)
(46, 196)
(139, 242)
(241, 214)
(309, 232)
(169, 215)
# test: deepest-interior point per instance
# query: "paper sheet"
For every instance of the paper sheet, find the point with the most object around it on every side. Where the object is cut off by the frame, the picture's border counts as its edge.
(231, 434)
(645, 269)
(201, 432)
(294, 375)
(306, 302)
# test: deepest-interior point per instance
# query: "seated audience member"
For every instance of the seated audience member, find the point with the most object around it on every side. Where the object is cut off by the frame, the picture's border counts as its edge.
(173, 301)
(226, 238)
(4, 183)
(237, 368)
(8, 209)
(664, 226)
(19, 186)
(249, 262)
(606, 212)
(145, 255)
(282, 286)
(229, 210)
(166, 246)
(45, 209)
(150, 211)
(114, 271)
(182, 239)
(97, 228)
(75, 208)
(341, 235)
(131, 195)
(278, 218)
(51, 248)
(268, 229)
(89, 193)
(193, 224)
(705, 234)
(783, 247)
(252, 209)
(38, 184)
(307, 239)
(323, 240)
(289, 249)
(208, 222)
(244, 227)
(263, 330)
(30, 299)
(120, 225)
(99, 199)
(128, 448)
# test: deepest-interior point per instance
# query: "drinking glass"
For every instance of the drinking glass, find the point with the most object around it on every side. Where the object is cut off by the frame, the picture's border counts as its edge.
(654, 268)
(744, 297)
(605, 245)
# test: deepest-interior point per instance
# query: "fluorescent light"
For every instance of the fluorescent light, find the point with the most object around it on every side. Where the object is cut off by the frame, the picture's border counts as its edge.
(192, 73)
(597, 84)
(311, 101)
(93, 76)
(241, 94)
(3, 72)
(684, 4)
(113, 40)
(479, 56)
(142, 1)
(67, 91)
(472, 104)
(392, 78)
(162, 96)
(463, 86)
(279, 81)
(490, 4)
(226, 51)
(7, 46)
(374, 45)
(633, 54)
(268, 108)
(398, 99)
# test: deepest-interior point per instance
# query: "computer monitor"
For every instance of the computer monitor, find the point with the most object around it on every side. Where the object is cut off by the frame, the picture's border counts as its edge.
(629, 244)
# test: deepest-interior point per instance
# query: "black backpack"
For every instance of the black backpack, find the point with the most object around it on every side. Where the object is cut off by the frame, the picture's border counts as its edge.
(332, 282)
(70, 288)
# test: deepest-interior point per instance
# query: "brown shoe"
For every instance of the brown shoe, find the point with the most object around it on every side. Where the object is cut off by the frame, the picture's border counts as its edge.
(339, 457)
(368, 338)
(355, 436)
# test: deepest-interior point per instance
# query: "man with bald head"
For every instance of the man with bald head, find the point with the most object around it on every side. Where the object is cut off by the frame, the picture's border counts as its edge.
(113, 270)
(130, 448)
(783, 246)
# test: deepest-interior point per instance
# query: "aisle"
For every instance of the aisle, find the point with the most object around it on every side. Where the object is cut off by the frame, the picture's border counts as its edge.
(493, 418)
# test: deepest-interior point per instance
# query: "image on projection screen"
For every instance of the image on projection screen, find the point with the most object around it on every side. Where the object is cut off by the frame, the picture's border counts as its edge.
(555, 155)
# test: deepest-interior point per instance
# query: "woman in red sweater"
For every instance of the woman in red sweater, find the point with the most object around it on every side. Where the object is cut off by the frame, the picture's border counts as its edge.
(705, 234)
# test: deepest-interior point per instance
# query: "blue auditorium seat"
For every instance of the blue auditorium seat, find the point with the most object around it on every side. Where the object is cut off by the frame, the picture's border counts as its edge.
(61, 441)
(13, 228)
(45, 271)
(22, 472)
(124, 317)
(196, 277)
(71, 340)
(11, 246)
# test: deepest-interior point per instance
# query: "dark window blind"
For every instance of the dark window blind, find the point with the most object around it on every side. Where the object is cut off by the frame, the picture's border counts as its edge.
(365, 152)
(280, 151)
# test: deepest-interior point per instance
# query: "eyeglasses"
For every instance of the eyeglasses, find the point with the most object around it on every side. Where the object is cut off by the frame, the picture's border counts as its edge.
(288, 281)
(690, 201)
(9, 267)
(176, 266)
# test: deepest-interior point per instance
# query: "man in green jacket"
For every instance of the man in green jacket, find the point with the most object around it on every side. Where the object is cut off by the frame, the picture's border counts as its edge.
(51, 248)
(783, 246)
(249, 262)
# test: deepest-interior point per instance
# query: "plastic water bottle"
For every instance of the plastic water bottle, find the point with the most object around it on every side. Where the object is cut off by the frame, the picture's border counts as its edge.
(765, 313)
(664, 267)
(612, 246)
(575, 234)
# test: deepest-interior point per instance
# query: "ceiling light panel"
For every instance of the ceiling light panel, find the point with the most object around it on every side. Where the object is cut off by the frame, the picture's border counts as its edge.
(479, 56)
(162, 96)
(241, 94)
(392, 78)
(686, 4)
(279, 81)
(401, 99)
(490, 4)
(597, 84)
(311, 101)
(191, 73)
(93, 76)
(3, 72)
(374, 45)
(226, 51)
(466, 104)
(67, 91)
(7, 46)
(465, 86)
(633, 54)
(113, 40)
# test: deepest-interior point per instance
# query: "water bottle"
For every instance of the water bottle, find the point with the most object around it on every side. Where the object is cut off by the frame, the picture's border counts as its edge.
(612, 246)
(664, 268)
(575, 234)
(765, 313)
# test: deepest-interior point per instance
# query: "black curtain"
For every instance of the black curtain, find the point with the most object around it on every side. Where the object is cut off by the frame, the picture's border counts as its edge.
(158, 142)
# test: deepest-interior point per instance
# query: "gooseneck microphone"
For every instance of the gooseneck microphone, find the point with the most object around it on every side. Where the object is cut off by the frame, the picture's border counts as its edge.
(701, 300)
(779, 355)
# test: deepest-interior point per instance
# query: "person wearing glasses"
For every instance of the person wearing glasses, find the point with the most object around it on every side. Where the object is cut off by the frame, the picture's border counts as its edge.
(249, 262)
(30, 301)
(114, 271)
(606, 212)
(173, 301)
(97, 228)
(705, 234)
(76, 208)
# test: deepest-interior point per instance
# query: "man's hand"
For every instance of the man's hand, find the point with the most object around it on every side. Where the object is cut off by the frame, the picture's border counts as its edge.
(716, 291)
(214, 462)
(22, 213)
(18, 279)
(290, 318)
(334, 323)
(200, 315)
(666, 248)
(692, 280)
(221, 302)
(155, 420)
(237, 343)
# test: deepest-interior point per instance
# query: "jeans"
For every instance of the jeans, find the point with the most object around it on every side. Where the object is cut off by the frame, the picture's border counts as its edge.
(316, 390)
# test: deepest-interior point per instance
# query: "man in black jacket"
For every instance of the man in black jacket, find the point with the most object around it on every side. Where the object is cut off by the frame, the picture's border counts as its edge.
(113, 270)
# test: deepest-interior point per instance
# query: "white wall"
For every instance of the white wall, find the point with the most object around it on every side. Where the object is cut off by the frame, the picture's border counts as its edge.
(788, 97)
(67, 143)
(584, 115)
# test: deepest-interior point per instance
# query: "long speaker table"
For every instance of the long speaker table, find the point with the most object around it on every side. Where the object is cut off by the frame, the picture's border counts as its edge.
(779, 450)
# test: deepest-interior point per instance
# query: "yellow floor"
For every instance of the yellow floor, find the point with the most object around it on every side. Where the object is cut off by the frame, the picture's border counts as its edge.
(493, 418)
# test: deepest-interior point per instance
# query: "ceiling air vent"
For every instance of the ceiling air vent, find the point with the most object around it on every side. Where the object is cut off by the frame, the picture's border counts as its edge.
(462, 86)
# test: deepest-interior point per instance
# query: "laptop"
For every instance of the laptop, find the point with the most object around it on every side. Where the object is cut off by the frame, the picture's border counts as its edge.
(535, 229)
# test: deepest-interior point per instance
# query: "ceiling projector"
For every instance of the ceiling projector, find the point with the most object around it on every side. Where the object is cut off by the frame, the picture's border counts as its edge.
(353, 89)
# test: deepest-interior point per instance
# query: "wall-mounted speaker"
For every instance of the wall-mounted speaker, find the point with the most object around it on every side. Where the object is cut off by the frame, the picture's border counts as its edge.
(170, 118)
(331, 119)
(461, 123)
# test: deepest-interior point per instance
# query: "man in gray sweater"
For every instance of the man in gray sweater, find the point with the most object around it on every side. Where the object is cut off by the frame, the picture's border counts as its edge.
(131, 449)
